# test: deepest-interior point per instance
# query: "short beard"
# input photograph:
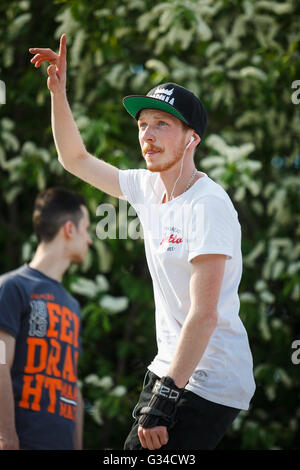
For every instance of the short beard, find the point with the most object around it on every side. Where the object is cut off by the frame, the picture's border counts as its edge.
(159, 168)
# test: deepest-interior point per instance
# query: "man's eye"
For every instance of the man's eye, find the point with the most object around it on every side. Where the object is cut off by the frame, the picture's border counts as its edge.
(142, 125)
(162, 123)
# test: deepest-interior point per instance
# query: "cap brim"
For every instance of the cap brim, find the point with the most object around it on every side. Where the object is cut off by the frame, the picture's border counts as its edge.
(135, 103)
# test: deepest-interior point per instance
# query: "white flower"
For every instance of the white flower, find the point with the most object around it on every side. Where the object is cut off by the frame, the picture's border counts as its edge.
(91, 379)
(118, 391)
(253, 72)
(267, 297)
(95, 412)
(104, 382)
(102, 283)
(114, 304)
(84, 287)
(247, 297)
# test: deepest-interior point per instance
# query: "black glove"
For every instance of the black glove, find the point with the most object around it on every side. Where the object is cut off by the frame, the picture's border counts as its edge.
(161, 409)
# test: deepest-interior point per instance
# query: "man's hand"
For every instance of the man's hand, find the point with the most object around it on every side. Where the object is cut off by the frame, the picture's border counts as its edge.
(153, 438)
(159, 415)
(58, 65)
(9, 442)
(8, 436)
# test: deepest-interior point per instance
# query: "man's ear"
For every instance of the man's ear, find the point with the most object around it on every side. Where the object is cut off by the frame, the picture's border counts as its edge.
(68, 229)
(197, 139)
(194, 141)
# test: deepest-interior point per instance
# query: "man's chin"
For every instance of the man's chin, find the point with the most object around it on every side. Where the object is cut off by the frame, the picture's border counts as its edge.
(160, 168)
(78, 259)
(160, 163)
(153, 169)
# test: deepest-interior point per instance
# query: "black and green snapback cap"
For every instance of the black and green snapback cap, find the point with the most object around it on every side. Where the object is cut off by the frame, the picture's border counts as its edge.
(173, 99)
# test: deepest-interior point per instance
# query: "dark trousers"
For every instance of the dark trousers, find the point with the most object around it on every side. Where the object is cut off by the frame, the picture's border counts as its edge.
(199, 425)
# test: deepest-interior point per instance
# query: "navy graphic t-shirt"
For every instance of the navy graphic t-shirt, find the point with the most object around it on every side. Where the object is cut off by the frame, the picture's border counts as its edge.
(45, 321)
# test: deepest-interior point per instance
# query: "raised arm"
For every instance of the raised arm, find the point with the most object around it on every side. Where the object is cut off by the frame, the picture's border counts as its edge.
(72, 153)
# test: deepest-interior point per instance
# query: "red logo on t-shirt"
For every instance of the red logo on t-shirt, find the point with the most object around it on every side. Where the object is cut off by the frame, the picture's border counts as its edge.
(171, 239)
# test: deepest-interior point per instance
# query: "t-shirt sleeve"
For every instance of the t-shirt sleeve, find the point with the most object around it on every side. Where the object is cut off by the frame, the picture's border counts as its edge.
(11, 308)
(132, 185)
(212, 228)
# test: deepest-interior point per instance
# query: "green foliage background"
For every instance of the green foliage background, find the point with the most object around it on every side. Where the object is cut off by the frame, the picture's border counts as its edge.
(241, 58)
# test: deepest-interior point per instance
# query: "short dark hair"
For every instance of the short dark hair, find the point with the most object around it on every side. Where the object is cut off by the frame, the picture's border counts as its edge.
(52, 208)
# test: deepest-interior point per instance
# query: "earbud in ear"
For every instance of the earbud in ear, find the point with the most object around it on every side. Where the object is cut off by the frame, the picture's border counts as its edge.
(191, 140)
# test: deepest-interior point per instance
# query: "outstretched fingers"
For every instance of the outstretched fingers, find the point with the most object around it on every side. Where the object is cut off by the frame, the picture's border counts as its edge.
(45, 54)
(42, 55)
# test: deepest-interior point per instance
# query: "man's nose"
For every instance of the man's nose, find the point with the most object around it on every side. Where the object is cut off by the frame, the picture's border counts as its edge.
(149, 135)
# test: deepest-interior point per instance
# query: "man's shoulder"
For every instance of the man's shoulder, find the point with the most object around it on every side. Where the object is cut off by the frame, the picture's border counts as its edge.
(137, 172)
(139, 185)
(212, 194)
(22, 278)
(212, 189)
(13, 276)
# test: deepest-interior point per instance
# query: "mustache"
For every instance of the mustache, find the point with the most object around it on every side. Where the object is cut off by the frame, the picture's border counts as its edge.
(147, 147)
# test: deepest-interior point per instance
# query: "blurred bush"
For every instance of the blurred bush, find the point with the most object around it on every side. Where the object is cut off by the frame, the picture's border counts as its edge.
(242, 59)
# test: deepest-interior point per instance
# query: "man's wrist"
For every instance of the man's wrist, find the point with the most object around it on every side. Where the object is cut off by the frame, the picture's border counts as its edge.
(61, 93)
(166, 388)
(161, 409)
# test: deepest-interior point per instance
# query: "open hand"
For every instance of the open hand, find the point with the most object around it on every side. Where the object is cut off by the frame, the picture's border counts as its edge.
(58, 64)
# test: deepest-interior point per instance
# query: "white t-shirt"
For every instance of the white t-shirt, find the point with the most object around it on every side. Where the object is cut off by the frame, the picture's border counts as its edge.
(200, 221)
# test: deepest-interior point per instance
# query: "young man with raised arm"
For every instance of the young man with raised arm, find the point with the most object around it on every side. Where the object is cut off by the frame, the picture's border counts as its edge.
(202, 374)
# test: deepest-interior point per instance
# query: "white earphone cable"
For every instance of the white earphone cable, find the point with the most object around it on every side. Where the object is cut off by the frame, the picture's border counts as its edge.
(181, 167)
